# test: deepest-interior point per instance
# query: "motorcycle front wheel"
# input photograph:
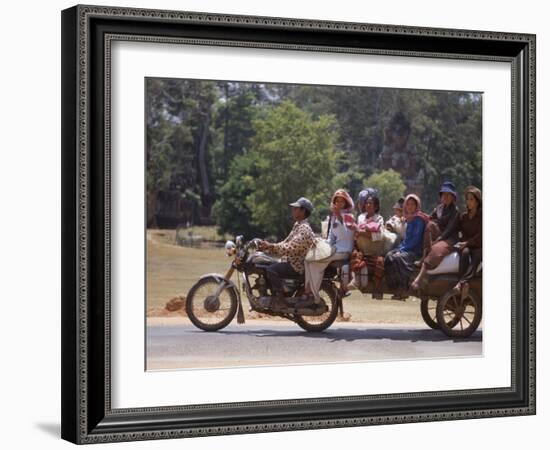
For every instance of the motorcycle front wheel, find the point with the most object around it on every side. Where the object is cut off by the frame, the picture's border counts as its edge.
(205, 310)
(322, 322)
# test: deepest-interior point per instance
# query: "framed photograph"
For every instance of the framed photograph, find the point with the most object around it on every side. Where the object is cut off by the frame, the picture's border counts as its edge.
(277, 224)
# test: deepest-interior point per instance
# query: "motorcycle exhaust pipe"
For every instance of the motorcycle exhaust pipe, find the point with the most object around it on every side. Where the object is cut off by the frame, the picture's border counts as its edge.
(240, 312)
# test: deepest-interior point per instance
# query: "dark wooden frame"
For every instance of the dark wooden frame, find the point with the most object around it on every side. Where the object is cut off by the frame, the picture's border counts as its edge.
(87, 416)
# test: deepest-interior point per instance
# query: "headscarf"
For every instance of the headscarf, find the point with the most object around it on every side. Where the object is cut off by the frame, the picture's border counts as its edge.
(345, 214)
(417, 213)
(349, 202)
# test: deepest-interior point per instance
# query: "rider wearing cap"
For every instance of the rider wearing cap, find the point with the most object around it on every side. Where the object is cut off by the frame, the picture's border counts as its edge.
(292, 249)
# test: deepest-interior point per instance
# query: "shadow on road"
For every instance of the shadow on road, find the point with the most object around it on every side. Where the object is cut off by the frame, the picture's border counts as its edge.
(354, 334)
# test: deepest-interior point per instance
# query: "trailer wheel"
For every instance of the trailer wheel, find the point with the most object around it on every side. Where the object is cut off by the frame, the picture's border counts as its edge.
(457, 317)
(428, 307)
(428, 310)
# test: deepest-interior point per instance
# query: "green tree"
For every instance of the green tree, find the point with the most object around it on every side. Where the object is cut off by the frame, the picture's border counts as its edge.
(390, 187)
(237, 107)
(179, 134)
(447, 133)
(295, 156)
(169, 143)
(231, 212)
(197, 130)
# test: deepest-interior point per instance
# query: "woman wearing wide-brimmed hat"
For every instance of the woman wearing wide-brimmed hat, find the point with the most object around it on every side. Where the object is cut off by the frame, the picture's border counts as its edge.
(441, 233)
(340, 238)
(470, 225)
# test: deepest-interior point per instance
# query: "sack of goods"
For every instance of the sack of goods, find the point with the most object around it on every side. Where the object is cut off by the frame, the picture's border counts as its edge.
(450, 264)
(320, 250)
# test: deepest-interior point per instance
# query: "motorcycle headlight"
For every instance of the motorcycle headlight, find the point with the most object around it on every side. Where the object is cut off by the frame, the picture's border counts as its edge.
(230, 248)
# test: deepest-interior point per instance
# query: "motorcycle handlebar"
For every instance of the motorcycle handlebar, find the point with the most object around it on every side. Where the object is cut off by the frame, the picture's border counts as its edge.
(252, 243)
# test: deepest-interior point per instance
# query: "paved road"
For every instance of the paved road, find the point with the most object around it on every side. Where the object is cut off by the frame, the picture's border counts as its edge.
(274, 343)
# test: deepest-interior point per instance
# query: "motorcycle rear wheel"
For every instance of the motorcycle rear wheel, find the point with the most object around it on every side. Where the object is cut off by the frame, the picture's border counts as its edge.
(321, 323)
(205, 311)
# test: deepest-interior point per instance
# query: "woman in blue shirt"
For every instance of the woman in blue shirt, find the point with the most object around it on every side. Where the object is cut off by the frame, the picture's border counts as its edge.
(340, 237)
(399, 262)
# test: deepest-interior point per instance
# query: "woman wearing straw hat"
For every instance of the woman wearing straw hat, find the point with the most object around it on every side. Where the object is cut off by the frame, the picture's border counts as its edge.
(470, 226)
(340, 238)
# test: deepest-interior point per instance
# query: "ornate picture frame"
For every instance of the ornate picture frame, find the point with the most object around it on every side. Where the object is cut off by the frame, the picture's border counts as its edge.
(87, 35)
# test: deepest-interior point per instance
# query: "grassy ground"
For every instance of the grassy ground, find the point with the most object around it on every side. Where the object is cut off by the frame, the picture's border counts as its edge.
(172, 270)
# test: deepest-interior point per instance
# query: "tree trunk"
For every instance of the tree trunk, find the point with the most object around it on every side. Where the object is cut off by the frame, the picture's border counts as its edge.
(152, 210)
(205, 185)
(226, 133)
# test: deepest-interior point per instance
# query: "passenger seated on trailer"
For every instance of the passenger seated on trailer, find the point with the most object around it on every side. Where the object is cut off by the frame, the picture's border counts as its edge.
(355, 274)
(469, 247)
(371, 247)
(396, 224)
(466, 260)
(441, 233)
(370, 240)
(340, 237)
(399, 262)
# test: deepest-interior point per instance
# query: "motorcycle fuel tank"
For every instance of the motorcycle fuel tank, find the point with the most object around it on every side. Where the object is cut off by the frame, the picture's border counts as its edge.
(261, 258)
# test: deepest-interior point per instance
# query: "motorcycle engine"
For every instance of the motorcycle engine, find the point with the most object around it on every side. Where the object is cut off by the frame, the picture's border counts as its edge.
(260, 285)
(292, 285)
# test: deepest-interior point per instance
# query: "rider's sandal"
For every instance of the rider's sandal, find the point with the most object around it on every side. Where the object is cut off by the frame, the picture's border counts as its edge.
(305, 298)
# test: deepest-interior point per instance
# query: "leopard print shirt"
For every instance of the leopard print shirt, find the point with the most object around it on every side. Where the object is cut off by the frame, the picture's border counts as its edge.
(295, 246)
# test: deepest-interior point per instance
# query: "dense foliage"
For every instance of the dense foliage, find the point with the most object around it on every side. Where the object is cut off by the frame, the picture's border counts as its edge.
(390, 186)
(235, 154)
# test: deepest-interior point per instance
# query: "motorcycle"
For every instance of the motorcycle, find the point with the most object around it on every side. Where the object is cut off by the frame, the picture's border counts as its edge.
(215, 299)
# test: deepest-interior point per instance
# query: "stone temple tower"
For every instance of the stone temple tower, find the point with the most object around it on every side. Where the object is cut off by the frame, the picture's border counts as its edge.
(400, 155)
